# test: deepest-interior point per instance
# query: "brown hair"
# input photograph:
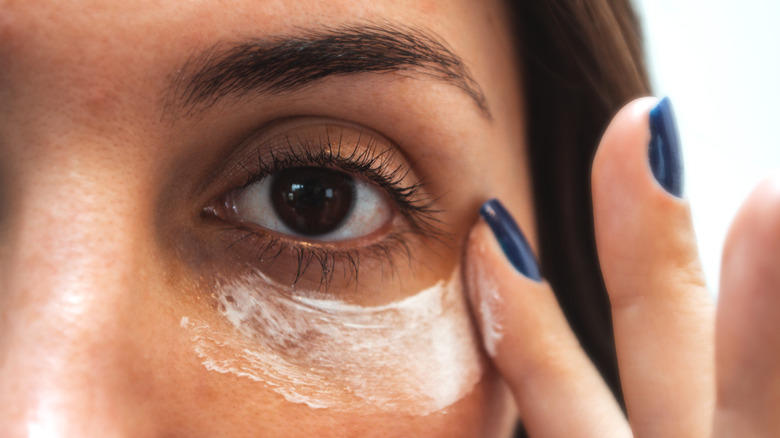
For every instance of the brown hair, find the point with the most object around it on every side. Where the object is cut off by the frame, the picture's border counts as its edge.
(582, 60)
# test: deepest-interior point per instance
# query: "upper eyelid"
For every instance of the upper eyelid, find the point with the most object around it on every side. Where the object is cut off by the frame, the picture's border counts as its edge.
(368, 155)
(258, 152)
(371, 163)
(367, 161)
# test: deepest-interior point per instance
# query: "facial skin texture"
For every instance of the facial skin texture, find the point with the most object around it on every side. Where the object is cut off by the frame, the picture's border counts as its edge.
(104, 246)
(417, 356)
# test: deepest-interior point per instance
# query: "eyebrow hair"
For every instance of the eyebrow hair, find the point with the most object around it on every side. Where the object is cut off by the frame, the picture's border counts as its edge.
(284, 64)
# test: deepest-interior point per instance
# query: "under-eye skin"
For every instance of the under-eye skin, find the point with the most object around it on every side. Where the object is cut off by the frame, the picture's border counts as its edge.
(312, 201)
(326, 197)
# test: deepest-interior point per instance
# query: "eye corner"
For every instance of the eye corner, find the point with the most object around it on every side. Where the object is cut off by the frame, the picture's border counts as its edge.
(220, 208)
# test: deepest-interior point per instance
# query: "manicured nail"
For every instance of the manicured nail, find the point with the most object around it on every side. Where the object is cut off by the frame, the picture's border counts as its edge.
(665, 155)
(510, 238)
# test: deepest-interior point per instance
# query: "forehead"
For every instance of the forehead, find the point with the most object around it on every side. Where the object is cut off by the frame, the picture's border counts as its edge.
(91, 51)
(107, 29)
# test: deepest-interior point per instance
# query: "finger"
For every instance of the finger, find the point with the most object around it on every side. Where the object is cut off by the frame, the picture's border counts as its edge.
(663, 315)
(748, 321)
(557, 389)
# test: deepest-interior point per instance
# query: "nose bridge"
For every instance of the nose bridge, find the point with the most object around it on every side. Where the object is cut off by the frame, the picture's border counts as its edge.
(67, 277)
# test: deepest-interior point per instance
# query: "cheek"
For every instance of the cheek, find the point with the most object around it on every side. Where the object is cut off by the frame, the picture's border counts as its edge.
(415, 356)
(305, 365)
(239, 408)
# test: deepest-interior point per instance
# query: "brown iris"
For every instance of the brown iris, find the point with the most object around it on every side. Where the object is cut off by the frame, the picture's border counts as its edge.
(312, 200)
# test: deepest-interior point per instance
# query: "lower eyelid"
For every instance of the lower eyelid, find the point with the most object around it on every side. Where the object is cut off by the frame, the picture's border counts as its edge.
(321, 267)
(396, 223)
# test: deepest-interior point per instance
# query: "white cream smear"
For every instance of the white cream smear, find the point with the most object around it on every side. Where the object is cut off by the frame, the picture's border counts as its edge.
(489, 307)
(485, 295)
(415, 356)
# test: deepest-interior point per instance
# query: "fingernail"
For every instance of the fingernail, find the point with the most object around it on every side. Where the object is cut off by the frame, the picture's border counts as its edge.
(510, 238)
(665, 157)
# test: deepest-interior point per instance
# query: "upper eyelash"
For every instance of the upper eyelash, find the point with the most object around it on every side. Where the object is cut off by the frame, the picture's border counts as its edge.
(368, 161)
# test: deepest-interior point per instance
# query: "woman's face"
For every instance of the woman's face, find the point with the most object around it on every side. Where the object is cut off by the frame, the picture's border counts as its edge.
(240, 218)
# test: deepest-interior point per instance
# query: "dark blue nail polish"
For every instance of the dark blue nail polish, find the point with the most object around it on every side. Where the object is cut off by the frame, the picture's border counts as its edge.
(510, 238)
(665, 156)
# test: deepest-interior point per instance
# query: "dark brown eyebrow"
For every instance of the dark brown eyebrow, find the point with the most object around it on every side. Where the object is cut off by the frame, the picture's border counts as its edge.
(284, 64)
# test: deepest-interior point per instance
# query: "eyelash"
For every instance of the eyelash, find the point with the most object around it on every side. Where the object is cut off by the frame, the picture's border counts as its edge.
(369, 162)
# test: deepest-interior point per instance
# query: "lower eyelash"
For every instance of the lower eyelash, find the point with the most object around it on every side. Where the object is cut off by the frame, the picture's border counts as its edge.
(270, 248)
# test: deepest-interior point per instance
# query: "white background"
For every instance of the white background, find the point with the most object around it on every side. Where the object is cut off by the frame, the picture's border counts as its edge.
(719, 62)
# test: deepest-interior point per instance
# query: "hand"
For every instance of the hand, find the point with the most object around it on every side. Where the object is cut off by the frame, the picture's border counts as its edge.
(685, 371)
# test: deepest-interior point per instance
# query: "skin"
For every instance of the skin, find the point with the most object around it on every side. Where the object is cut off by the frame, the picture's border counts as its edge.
(103, 247)
(686, 370)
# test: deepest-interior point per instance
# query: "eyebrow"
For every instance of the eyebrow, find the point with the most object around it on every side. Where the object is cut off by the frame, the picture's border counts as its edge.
(283, 64)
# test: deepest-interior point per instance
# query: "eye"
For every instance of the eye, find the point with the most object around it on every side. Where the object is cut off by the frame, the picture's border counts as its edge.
(314, 202)
(309, 200)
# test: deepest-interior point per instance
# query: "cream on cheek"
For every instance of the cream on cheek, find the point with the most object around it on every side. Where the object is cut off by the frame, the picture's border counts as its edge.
(415, 356)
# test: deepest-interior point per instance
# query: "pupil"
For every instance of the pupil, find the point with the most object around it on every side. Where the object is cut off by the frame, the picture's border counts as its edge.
(312, 200)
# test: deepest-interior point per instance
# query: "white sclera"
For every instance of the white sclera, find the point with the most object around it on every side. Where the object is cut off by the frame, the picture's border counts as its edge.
(369, 212)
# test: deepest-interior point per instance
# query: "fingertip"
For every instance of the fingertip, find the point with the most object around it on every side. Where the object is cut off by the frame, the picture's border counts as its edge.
(643, 227)
(641, 149)
(499, 261)
(511, 239)
(530, 342)
(511, 306)
(629, 127)
(748, 320)
(633, 172)
(749, 268)
(757, 221)
(481, 286)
